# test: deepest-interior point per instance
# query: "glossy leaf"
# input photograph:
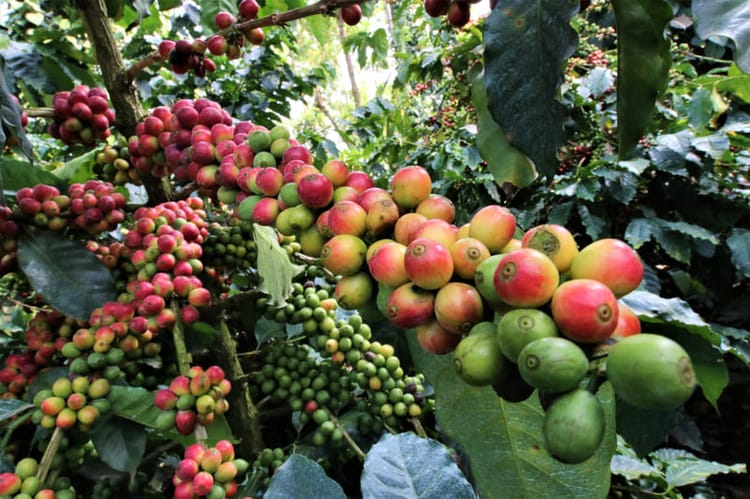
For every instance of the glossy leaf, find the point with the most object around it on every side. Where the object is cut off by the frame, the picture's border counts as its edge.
(300, 478)
(69, 276)
(78, 169)
(643, 62)
(17, 174)
(738, 242)
(499, 435)
(408, 466)
(10, 408)
(526, 44)
(505, 162)
(118, 442)
(725, 18)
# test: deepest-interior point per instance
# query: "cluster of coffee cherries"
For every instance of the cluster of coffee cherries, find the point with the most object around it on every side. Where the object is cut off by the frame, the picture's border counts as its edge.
(81, 116)
(71, 402)
(185, 55)
(23, 483)
(267, 462)
(46, 333)
(230, 247)
(208, 471)
(166, 243)
(116, 257)
(92, 207)
(195, 398)
(8, 240)
(112, 164)
(457, 12)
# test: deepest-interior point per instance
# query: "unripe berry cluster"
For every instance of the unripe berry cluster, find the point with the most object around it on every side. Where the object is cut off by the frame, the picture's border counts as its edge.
(72, 402)
(208, 471)
(195, 398)
(22, 483)
(81, 116)
(267, 462)
(113, 165)
(230, 247)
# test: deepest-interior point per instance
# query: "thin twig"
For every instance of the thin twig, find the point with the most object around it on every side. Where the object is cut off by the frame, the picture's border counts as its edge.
(349, 440)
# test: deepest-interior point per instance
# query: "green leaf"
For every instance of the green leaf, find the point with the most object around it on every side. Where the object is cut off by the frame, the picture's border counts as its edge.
(118, 442)
(725, 18)
(505, 162)
(301, 478)
(69, 276)
(642, 68)
(274, 267)
(78, 169)
(639, 231)
(700, 109)
(408, 466)
(594, 223)
(635, 166)
(632, 468)
(738, 242)
(17, 174)
(525, 47)
(503, 440)
(13, 407)
(687, 471)
(736, 82)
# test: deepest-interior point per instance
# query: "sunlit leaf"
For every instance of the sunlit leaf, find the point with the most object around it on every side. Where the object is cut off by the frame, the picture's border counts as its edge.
(407, 466)
(725, 18)
(506, 163)
(301, 478)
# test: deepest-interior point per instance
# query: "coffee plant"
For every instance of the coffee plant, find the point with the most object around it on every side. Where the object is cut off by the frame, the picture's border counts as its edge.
(519, 270)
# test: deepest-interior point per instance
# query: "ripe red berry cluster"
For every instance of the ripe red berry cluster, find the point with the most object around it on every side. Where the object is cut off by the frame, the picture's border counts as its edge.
(71, 402)
(116, 257)
(95, 206)
(208, 471)
(166, 243)
(81, 116)
(457, 12)
(231, 44)
(193, 398)
(18, 371)
(43, 205)
(8, 240)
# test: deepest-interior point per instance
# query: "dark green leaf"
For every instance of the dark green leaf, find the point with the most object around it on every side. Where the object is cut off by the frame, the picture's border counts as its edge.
(727, 18)
(69, 276)
(700, 109)
(642, 68)
(639, 231)
(407, 466)
(691, 469)
(118, 442)
(301, 478)
(10, 117)
(506, 163)
(738, 242)
(676, 245)
(643, 429)
(592, 220)
(534, 39)
(17, 174)
(504, 441)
